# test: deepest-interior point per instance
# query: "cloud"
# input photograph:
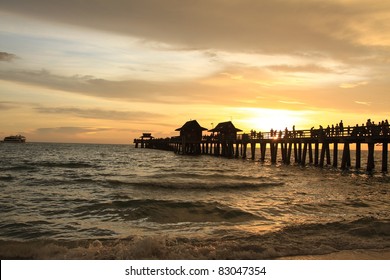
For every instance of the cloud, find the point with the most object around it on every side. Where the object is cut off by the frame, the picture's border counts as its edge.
(346, 29)
(69, 130)
(7, 105)
(8, 57)
(310, 68)
(131, 90)
(353, 85)
(363, 103)
(291, 102)
(165, 92)
(99, 113)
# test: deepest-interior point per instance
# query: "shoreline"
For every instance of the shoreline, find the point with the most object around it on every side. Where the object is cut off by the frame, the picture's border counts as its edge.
(162, 249)
(358, 254)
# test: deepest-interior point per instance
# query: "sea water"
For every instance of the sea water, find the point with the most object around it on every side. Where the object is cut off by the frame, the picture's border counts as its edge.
(64, 201)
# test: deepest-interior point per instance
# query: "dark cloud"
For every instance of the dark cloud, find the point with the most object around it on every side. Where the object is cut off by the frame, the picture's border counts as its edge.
(99, 113)
(279, 26)
(8, 57)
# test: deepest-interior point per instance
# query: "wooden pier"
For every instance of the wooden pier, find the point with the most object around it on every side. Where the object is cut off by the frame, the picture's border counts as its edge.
(317, 147)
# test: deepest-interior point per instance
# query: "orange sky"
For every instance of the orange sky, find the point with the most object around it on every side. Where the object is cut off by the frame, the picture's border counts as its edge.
(106, 71)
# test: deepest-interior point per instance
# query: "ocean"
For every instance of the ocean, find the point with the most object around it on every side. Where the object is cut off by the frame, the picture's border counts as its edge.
(90, 201)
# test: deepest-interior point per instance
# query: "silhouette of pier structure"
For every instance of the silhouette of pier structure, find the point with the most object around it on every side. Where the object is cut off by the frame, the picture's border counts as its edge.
(319, 147)
(144, 141)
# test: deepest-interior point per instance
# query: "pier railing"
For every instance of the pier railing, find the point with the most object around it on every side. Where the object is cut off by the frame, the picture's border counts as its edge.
(375, 131)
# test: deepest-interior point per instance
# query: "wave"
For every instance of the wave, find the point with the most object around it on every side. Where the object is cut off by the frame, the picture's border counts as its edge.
(186, 184)
(165, 211)
(214, 175)
(35, 166)
(75, 164)
(366, 234)
(28, 230)
(22, 167)
(7, 178)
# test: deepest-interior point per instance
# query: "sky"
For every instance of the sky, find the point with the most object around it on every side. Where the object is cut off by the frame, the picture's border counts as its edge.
(105, 71)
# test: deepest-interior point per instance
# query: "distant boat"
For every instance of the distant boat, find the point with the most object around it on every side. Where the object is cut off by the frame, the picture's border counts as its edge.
(14, 139)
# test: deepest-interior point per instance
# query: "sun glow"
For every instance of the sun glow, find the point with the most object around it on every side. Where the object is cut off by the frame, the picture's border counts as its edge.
(267, 119)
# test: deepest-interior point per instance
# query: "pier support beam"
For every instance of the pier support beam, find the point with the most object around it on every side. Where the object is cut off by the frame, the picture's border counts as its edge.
(384, 156)
(299, 152)
(288, 160)
(310, 153)
(216, 149)
(230, 149)
(328, 162)
(285, 153)
(346, 160)
(335, 154)
(370, 160)
(295, 153)
(358, 155)
(303, 158)
(263, 148)
(274, 152)
(253, 149)
(244, 147)
(325, 152)
(316, 153)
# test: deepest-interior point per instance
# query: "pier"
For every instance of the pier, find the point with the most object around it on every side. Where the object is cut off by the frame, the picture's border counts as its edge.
(318, 147)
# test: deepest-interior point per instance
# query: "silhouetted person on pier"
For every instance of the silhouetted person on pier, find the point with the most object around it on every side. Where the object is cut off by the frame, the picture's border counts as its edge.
(286, 133)
(368, 127)
(328, 131)
(385, 128)
(341, 126)
(375, 130)
(321, 132)
(355, 131)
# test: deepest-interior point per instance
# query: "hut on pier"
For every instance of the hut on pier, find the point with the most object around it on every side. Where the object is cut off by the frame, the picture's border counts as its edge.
(144, 140)
(226, 131)
(190, 137)
(226, 134)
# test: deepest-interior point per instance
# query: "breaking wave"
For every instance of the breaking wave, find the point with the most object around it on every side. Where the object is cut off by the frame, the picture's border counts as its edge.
(367, 234)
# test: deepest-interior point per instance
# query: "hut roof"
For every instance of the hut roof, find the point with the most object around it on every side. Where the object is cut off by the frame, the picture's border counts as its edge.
(146, 135)
(225, 126)
(191, 125)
